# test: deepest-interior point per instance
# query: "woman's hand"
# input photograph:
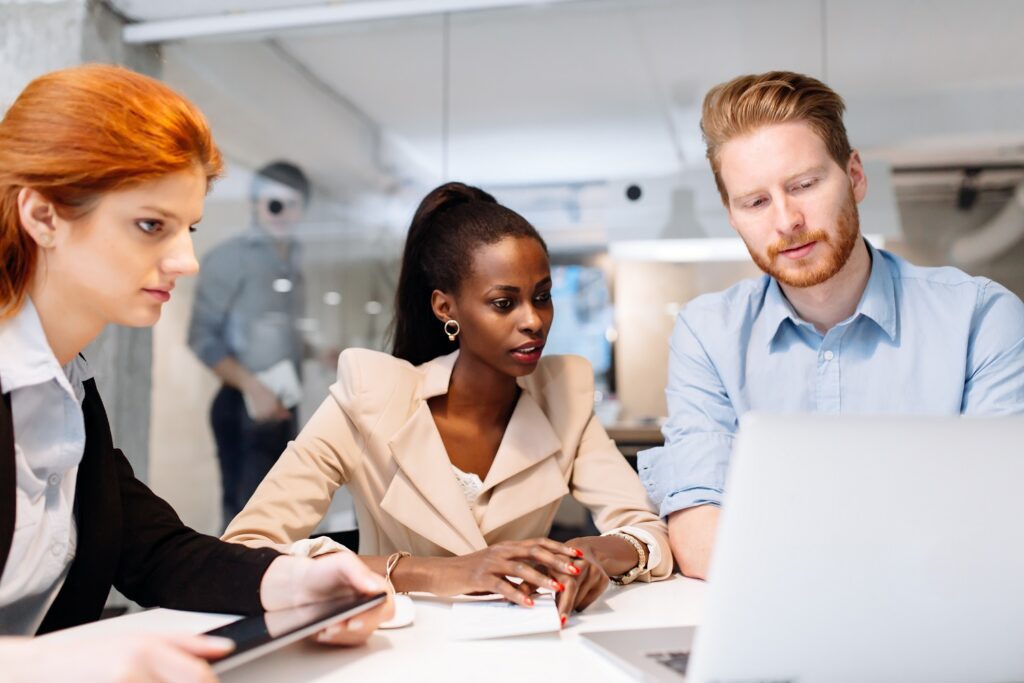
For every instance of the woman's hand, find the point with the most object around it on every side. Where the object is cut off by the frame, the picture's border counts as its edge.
(138, 659)
(292, 581)
(539, 562)
(585, 580)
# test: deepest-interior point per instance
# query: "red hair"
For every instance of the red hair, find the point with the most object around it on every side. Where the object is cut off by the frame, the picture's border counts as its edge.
(75, 134)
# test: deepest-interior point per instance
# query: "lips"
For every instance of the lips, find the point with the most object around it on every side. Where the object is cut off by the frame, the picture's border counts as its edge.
(798, 252)
(528, 353)
(161, 295)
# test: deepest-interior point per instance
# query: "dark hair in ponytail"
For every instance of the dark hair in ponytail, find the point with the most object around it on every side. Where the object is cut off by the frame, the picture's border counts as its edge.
(450, 223)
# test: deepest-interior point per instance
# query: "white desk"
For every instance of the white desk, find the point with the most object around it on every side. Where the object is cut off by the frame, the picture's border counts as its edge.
(423, 652)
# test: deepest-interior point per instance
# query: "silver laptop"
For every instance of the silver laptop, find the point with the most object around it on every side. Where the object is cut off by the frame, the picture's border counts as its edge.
(867, 549)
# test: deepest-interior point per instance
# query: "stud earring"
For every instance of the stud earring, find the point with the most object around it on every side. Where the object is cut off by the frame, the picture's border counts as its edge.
(452, 329)
(45, 239)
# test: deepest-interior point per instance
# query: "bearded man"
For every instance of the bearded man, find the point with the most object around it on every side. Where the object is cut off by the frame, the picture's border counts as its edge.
(834, 326)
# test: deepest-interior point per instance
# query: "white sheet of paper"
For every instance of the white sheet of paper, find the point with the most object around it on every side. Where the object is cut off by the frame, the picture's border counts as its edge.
(282, 379)
(500, 619)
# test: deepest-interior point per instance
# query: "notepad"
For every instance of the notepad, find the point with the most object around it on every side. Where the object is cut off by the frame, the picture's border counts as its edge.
(478, 620)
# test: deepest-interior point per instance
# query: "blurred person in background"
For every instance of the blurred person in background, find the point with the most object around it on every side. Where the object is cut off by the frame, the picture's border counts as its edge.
(249, 298)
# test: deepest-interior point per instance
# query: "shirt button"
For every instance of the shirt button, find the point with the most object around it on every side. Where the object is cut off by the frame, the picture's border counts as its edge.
(57, 549)
(829, 355)
(53, 479)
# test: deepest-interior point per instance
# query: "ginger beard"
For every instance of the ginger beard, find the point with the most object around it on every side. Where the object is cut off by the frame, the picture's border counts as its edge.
(802, 273)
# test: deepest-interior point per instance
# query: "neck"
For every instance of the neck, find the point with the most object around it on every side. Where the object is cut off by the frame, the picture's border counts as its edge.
(67, 326)
(480, 390)
(836, 299)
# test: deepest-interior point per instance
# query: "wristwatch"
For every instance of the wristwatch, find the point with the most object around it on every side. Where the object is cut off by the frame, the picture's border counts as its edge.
(641, 554)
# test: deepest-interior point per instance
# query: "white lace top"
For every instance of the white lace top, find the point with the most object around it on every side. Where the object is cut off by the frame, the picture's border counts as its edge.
(471, 486)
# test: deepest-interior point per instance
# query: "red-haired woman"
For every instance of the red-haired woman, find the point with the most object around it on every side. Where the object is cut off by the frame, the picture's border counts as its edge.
(103, 174)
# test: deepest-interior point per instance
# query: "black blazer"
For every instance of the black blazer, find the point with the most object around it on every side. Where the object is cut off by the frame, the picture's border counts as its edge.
(130, 538)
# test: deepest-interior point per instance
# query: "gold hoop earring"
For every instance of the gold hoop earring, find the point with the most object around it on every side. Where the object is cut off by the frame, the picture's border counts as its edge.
(450, 331)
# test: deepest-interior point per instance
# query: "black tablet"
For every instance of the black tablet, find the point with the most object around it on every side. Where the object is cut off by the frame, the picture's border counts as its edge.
(258, 635)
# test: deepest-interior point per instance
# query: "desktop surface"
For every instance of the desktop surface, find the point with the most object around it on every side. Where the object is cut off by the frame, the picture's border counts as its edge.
(423, 651)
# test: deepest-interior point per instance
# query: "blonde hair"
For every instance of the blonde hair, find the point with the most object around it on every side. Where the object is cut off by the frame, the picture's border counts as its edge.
(746, 103)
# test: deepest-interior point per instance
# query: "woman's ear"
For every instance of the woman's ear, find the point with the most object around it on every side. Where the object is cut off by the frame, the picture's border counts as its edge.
(443, 305)
(38, 217)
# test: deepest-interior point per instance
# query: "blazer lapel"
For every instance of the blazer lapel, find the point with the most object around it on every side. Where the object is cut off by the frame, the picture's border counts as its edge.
(423, 495)
(525, 474)
(8, 480)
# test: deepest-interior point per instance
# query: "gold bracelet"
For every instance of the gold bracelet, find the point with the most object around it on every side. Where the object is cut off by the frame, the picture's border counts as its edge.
(389, 566)
(641, 558)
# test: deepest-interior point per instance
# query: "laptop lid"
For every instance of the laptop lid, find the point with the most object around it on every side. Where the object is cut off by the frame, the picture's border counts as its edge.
(868, 549)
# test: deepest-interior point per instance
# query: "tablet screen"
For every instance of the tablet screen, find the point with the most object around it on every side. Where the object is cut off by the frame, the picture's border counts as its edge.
(257, 635)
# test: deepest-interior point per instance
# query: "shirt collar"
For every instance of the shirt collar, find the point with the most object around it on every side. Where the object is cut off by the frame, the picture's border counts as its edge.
(26, 358)
(877, 303)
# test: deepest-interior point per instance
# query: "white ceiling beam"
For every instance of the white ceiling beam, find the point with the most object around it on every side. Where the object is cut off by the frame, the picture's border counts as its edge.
(306, 17)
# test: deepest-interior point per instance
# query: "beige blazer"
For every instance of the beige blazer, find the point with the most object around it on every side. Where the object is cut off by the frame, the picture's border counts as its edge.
(375, 434)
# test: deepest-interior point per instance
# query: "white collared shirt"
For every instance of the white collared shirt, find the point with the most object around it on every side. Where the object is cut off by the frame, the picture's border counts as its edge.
(49, 440)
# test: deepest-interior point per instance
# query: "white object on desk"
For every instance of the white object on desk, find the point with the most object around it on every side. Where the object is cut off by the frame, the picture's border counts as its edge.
(405, 613)
(482, 619)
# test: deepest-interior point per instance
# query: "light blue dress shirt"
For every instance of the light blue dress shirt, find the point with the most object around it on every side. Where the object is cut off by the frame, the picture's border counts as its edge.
(932, 341)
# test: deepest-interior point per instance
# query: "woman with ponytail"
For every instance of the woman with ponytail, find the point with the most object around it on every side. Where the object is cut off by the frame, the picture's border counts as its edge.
(459, 446)
(103, 174)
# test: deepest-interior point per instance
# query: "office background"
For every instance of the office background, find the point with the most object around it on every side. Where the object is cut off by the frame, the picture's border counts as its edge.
(581, 114)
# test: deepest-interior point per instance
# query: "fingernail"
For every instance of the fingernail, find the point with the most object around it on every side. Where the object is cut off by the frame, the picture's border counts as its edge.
(375, 586)
(529, 602)
(557, 586)
(355, 625)
(219, 642)
(564, 619)
(579, 553)
(572, 569)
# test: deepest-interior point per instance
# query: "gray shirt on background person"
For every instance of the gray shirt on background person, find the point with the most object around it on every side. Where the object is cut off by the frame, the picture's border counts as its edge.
(248, 301)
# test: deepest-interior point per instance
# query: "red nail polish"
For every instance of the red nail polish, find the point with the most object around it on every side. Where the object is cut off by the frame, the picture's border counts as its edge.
(579, 553)
(563, 620)
(573, 569)
(529, 602)
(558, 587)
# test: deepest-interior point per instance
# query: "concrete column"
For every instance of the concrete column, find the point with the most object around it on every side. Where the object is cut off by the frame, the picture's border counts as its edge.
(37, 36)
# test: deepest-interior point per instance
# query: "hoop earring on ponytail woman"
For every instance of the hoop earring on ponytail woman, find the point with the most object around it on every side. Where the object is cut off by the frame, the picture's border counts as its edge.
(452, 329)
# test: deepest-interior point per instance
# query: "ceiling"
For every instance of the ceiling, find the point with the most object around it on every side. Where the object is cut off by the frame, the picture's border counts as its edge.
(590, 90)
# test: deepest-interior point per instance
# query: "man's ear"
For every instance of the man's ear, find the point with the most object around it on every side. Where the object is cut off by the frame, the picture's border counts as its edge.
(443, 305)
(858, 178)
(38, 217)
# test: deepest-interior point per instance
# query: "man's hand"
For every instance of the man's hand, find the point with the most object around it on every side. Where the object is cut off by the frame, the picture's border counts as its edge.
(691, 534)
(292, 581)
(265, 405)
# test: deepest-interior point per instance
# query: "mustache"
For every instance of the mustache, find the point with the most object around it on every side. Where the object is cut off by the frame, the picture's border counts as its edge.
(799, 240)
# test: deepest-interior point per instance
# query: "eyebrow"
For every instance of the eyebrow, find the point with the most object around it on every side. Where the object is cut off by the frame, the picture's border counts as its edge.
(512, 289)
(163, 212)
(169, 214)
